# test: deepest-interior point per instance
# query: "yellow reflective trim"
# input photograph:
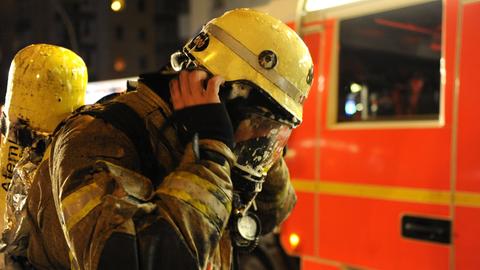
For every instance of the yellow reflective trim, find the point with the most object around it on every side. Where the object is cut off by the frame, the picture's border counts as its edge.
(378, 192)
(466, 2)
(198, 192)
(78, 204)
(467, 199)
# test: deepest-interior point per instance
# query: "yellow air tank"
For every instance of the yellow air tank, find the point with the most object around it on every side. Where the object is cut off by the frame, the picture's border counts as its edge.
(45, 84)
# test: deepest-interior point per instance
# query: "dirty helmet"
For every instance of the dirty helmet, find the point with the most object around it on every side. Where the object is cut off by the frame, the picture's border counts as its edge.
(259, 57)
(248, 45)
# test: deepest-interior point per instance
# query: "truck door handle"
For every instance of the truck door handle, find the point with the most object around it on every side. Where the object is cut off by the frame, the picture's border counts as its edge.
(426, 229)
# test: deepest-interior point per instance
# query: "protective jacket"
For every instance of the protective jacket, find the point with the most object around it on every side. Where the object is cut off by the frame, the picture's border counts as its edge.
(92, 208)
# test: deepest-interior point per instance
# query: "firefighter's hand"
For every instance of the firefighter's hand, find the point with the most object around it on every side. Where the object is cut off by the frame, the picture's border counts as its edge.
(198, 108)
(189, 90)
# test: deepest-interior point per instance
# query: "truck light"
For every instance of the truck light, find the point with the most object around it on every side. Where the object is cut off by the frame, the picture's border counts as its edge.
(117, 5)
(294, 240)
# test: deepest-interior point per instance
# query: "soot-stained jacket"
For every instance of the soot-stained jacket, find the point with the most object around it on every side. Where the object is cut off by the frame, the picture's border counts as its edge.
(91, 207)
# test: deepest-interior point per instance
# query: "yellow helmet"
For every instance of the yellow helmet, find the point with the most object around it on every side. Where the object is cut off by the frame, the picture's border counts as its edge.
(244, 44)
(45, 84)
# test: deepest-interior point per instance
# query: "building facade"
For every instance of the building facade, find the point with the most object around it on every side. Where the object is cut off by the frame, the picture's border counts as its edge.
(137, 38)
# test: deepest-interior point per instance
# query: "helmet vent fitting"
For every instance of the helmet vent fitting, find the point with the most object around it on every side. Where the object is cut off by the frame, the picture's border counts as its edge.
(267, 59)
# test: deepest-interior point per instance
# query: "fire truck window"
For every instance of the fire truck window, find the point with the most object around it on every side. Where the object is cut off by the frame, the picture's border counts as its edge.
(389, 65)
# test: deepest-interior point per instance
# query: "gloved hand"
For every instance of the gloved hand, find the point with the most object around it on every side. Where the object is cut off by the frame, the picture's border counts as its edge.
(277, 198)
(198, 109)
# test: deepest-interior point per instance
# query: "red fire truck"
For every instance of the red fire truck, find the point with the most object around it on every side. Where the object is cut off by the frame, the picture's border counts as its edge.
(386, 163)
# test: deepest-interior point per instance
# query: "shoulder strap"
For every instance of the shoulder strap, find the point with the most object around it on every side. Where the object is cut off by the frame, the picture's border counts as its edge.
(127, 120)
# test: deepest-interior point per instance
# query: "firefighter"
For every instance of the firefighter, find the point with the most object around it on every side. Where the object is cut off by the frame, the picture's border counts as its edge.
(186, 168)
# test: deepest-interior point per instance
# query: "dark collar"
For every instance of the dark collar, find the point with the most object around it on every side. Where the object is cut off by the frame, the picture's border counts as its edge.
(159, 82)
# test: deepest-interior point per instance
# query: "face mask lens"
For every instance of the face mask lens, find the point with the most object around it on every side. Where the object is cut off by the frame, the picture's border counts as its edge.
(259, 143)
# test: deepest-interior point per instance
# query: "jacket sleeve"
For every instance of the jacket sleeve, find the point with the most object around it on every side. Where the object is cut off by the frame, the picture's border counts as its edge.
(277, 198)
(108, 210)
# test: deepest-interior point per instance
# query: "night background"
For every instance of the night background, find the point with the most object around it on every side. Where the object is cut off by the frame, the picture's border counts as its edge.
(115, 38)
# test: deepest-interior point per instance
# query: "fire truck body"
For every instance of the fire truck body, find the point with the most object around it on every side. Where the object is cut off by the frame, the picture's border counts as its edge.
(388, 192)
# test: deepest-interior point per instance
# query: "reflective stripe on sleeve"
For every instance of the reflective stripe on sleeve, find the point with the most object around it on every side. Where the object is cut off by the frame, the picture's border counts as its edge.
(78, 204)
(204, 196)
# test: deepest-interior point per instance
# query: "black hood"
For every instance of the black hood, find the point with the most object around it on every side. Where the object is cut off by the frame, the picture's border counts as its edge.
(159, 81)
